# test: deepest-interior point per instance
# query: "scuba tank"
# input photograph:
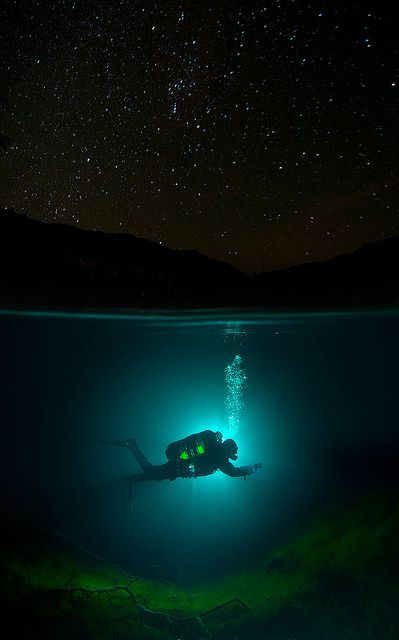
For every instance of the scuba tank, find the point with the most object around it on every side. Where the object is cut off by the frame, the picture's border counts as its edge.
(193, 446)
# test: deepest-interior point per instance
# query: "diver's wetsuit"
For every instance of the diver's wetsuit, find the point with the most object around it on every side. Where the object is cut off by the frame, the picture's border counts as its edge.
(205, 465)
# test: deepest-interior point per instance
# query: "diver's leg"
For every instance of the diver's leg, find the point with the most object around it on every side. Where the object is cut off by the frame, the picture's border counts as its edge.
(134, 449)
(138, 454)
(166, 471)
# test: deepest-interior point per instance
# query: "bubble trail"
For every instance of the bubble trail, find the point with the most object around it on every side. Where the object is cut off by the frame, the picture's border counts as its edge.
(236, 378)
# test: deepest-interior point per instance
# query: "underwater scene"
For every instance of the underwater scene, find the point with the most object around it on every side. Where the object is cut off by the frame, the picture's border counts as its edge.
(277, 520)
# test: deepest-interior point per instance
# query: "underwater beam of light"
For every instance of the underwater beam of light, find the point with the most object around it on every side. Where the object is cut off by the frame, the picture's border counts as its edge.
(235, 380)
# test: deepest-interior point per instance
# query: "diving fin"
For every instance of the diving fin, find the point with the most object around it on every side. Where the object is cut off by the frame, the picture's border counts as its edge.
(134, 449)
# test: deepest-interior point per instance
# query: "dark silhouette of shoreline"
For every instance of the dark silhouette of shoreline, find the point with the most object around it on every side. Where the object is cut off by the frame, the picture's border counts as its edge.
(61, 266)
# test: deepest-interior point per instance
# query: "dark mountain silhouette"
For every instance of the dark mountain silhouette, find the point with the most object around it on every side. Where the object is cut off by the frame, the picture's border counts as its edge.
(58, 265)
(367, 277)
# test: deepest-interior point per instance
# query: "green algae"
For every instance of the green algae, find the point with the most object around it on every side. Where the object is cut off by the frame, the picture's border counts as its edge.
(342, 569)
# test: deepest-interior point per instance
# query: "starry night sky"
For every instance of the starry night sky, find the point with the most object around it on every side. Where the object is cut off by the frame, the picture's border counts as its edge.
(264, 134)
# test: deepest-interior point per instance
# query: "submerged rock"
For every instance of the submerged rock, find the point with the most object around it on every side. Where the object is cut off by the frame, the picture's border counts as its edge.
(337, 577)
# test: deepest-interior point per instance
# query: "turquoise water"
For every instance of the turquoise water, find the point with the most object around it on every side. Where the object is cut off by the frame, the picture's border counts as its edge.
(318, 408)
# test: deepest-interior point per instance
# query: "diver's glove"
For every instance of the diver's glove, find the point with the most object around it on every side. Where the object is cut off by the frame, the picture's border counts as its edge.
(251, 468)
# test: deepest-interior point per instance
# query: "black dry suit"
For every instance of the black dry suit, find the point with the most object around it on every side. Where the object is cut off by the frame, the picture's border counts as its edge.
(199, 454)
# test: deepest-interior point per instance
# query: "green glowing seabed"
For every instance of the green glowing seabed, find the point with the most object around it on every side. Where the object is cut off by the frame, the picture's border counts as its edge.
(338, 577)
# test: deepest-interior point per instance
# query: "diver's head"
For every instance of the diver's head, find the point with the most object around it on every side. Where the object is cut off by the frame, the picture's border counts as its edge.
(230, 448)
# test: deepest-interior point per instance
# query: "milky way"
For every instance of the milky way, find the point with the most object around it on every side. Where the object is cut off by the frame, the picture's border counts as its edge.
(263, 134)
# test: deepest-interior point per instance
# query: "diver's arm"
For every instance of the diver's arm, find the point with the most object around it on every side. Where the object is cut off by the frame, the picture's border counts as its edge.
(238, 472)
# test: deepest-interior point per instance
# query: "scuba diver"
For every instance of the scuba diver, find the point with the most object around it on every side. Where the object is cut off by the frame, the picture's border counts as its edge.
(199, 454)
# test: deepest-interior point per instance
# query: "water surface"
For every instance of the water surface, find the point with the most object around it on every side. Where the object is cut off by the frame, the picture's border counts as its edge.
(320, 412)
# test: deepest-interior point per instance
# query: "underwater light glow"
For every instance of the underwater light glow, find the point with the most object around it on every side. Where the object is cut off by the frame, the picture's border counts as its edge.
(235, 380)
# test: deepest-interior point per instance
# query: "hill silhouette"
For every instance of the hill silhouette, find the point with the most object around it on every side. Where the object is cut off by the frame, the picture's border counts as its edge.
(59, 265)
